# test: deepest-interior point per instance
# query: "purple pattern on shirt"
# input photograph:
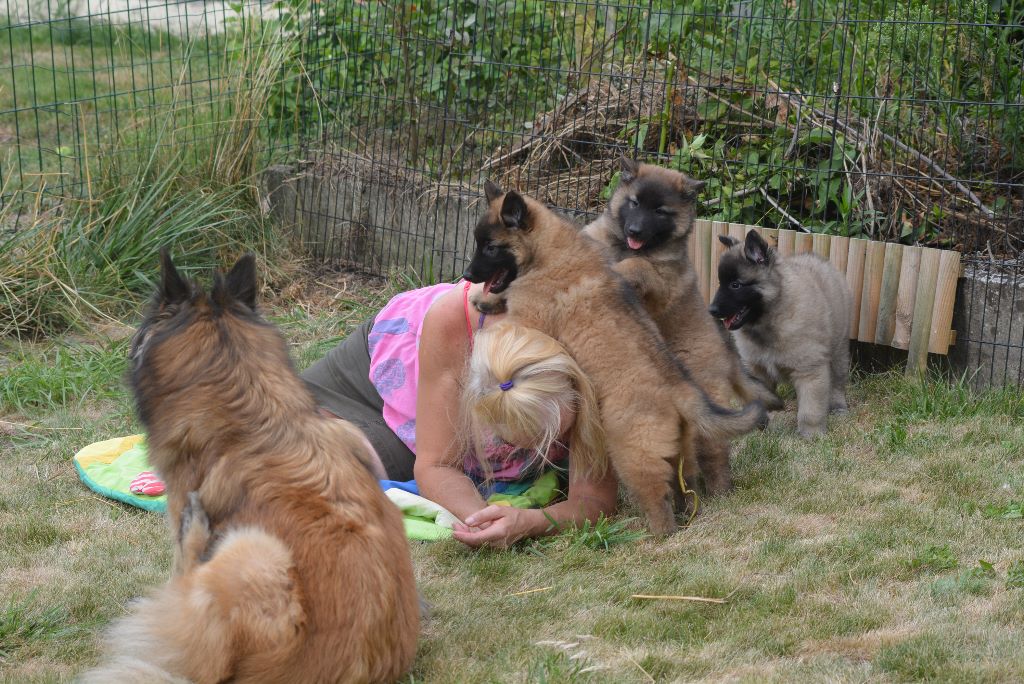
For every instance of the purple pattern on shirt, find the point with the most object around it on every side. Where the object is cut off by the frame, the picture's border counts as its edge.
(388, 377)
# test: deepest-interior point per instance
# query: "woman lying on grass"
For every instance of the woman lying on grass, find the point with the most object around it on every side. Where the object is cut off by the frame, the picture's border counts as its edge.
(468, 405)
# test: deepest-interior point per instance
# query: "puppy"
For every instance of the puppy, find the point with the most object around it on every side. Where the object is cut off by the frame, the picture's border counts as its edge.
(290, 563)
(646, 229)
(558, 281)
(791, 319)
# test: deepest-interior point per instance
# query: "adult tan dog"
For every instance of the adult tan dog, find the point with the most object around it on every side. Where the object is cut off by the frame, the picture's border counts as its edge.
(559, 282)
(646, 229)
(290, 563)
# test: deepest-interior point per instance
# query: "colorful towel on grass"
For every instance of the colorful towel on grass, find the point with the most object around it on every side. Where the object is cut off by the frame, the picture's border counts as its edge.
(109, 468)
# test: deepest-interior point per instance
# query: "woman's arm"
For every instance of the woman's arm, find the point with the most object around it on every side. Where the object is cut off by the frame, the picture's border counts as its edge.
(444, 348)
(502, 526)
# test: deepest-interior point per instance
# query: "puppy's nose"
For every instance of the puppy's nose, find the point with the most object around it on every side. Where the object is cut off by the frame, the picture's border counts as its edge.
(632, 230)
(714, 310)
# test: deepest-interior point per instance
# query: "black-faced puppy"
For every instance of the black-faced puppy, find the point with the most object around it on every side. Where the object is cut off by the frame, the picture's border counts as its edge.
(646, 229)
(558, 281)
(790, 318)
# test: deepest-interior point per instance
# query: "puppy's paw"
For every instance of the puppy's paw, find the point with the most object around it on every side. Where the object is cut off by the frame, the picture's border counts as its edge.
(488, 303)
(839, 407)
(811, 432)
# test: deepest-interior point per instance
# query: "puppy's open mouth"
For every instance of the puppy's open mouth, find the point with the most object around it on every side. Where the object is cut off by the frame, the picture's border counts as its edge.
(633, 243)
(736, 320)
(497, 282)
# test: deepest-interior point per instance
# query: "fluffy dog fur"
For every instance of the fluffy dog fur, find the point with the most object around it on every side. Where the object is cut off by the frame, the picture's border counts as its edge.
(646, 228)
(291, 565)
(790, 317)
(559, 282)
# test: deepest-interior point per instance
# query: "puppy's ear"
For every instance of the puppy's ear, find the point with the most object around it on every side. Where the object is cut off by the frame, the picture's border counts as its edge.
(492, 191)
(689, 188)
(628, 169)
(513, 210)
(728, 240)
(173, 288)
(241, 281)
(756, 250)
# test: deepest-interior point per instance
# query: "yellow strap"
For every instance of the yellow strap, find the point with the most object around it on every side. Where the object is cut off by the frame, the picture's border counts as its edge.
(685, 490)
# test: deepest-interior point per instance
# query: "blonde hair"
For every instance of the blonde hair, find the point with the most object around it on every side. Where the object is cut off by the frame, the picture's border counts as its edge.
(518, 385)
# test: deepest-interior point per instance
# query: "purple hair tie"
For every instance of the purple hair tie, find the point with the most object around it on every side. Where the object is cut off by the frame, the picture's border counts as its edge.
(506, 386)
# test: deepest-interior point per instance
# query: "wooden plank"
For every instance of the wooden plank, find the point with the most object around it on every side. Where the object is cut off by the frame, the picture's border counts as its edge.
(701, 256)
(822, 245)
(771, 236)
(738, 231)
(803, 243)
(942, 309)
(874, 259)
(839, 251)
(885, 328)
(717, 248)
(924, 301)
(786, 240)
(906, 296)
(855, 279)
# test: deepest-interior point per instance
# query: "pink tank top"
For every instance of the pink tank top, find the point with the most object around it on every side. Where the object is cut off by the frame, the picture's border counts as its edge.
(394, 342)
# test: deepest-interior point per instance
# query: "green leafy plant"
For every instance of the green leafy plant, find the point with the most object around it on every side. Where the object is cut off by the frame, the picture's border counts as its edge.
(933, 558)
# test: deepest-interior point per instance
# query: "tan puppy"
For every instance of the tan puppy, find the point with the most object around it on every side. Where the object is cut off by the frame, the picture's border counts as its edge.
(791, 320)
(559, 282)
(646, 230)
(291, 565)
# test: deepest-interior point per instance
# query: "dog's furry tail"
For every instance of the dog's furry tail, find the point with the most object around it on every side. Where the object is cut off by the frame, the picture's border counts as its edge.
(719, 423)
(129, 671)
(749, 388)
(244, 597)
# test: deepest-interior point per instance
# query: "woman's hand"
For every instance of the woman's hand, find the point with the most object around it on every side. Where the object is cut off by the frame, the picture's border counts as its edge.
(499, 526)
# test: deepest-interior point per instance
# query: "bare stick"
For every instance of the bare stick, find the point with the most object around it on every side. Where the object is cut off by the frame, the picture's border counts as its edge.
(782, 211)
(697, 599)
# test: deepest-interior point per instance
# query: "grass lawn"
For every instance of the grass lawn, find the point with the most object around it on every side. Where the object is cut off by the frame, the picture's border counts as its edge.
(891, 550)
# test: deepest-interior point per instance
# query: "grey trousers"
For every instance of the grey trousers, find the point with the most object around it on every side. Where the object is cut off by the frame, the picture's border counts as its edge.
(340, 382)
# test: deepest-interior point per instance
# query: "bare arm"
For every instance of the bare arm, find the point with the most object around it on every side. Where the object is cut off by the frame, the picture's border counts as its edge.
(502, 526)
(444, 348)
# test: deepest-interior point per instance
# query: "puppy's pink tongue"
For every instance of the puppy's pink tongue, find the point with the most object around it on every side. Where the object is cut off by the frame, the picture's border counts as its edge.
(634, 243)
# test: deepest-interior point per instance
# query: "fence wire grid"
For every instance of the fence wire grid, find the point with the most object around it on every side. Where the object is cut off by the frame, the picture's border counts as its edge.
(897, 120)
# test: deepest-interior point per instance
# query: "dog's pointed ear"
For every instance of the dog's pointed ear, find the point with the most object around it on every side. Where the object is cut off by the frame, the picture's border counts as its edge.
(728, 240)
(756, 250)
(513, 210)
(492, 191)
(689, 188)
(173, 288)
(241, 281)
(628, 169)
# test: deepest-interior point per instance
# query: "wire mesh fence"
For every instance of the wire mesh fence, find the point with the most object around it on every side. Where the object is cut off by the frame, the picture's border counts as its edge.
(896, 120)
(86, 83)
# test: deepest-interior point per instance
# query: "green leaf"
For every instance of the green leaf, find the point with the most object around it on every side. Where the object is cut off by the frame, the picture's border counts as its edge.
(711, 110)
(817, 136)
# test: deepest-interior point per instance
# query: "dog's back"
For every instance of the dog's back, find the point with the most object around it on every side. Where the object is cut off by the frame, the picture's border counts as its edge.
(291, 564)
(809, 316)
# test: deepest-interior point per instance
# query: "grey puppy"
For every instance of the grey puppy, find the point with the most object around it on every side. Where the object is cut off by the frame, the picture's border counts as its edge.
(791, 319)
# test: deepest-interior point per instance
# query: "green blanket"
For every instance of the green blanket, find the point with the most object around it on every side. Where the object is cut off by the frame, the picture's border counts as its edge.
(108, 468)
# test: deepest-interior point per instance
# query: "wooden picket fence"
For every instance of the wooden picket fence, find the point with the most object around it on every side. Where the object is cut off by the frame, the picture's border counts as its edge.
(902, 296)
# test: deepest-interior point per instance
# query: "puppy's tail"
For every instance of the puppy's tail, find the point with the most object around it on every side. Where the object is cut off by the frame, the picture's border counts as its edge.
(719, 423)
(749, 388)
(204, 623)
